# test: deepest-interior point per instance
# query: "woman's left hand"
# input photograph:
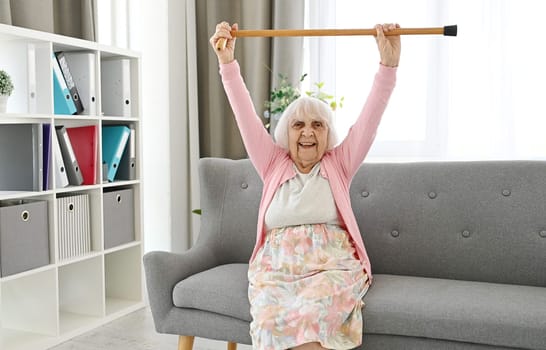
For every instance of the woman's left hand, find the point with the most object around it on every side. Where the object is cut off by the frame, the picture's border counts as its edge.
(389, 45)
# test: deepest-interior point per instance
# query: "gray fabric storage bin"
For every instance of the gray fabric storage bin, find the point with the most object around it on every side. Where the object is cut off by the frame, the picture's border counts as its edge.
(119, 217)
(24, 237)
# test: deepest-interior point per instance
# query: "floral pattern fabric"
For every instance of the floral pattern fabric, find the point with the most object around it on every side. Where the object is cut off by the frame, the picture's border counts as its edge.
(306, 285)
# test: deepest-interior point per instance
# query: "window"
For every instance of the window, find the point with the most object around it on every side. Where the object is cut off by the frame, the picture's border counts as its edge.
(476, 96)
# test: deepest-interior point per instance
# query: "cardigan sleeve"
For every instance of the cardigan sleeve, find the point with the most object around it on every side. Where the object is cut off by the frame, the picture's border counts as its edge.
(258, 143)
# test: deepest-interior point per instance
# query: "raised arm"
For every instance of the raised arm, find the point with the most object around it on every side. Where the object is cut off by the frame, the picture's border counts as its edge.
(258, 143)
(354, 148)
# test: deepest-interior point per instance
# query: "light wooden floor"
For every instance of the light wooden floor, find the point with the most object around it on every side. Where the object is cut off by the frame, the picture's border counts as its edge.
(135, 332)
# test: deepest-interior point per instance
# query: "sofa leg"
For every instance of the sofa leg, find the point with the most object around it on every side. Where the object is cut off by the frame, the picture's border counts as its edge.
(231, 346)
(185, 342)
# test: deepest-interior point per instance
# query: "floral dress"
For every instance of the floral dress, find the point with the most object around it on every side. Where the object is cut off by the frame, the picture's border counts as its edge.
(306, 283)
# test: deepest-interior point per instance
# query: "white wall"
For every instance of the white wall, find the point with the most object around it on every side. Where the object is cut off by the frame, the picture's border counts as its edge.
(155, 124)
(182, 99)
(160, 31)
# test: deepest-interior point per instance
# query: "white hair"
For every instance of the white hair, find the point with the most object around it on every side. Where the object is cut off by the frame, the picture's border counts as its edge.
(305, 105)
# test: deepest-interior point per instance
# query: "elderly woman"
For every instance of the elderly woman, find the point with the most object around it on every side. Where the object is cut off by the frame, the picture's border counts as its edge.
(309, 269)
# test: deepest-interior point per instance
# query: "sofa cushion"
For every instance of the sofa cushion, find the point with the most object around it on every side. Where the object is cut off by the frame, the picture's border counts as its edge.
(222, 290)
(477, 312)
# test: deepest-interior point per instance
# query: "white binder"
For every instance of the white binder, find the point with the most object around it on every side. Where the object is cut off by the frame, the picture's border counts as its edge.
(61, 179)
(82, 67)
(71, 165)
(116, 87)
(31, 80)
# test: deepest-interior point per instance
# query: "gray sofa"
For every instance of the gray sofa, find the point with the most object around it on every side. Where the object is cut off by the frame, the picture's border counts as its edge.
(458, 252)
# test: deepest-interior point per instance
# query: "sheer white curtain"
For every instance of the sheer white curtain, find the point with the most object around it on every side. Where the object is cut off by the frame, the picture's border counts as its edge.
(476, 96)
(118, 23)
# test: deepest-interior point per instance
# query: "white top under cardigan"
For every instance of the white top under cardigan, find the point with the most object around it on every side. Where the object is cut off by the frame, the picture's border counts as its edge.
(304, 199)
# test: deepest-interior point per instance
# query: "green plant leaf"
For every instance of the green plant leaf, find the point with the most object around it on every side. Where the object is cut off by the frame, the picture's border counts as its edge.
(6, 85)
(285, 93)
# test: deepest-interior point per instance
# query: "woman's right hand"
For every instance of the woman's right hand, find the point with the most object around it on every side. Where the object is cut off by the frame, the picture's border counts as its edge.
(389, 46)
(223, 32)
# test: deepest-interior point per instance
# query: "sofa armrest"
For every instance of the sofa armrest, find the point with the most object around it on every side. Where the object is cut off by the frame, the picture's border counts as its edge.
(165, 269)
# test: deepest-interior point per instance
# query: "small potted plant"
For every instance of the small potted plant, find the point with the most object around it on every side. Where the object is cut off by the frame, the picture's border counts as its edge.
(6, 88)
(281, 97)
(285, 93)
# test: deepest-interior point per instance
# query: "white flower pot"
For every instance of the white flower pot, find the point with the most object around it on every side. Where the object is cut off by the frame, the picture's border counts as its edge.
(3, 103)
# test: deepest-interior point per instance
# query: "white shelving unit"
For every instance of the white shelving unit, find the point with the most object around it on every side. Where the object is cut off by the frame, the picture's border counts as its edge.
(45, 306)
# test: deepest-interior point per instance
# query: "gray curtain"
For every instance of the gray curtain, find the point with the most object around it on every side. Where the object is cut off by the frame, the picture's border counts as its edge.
(261, 60)
(5, 12)
(75, 18)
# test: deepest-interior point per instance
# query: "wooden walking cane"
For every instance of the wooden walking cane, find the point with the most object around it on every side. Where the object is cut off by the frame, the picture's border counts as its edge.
(446, 31)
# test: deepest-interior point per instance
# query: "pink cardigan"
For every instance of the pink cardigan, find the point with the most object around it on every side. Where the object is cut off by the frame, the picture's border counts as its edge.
(274, 165)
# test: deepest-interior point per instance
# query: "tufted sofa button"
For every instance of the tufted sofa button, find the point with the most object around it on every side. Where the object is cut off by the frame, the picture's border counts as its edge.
(432, 195)
(244, 185)
(364, 194)
(395, 233)
(466, 233)
(506, 193)
(542, 233)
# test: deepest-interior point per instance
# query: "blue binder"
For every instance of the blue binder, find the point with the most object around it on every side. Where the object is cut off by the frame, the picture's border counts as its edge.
(62, 100)
(114, 140)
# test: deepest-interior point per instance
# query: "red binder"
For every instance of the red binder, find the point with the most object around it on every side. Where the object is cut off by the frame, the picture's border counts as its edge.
(84, 143)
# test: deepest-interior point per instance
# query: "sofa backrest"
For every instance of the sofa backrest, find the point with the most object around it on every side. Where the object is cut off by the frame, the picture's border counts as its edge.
(230, 196)
(479, 220)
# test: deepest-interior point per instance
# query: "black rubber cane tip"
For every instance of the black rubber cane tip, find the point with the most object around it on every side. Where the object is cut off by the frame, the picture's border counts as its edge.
(450, 30)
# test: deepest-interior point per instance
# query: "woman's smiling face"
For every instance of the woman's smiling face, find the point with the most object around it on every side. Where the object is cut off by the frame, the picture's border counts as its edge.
(307, 140)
